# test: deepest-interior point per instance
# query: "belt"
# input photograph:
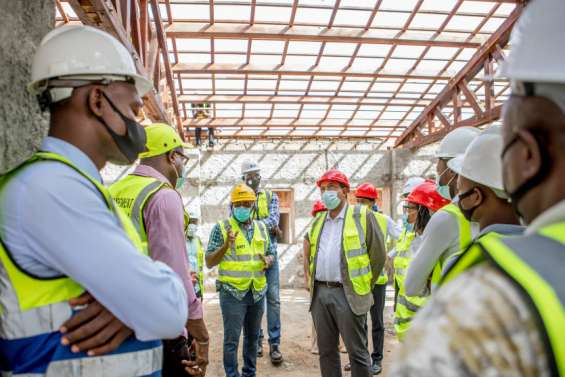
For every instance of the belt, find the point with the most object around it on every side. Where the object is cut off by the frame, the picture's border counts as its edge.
(328, 284)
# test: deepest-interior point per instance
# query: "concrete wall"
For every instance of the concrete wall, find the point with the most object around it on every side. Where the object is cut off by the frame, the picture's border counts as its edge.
(23, 24)
(297, 165)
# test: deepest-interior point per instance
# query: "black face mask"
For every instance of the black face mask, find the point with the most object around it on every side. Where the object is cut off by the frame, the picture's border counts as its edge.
(468, 213)
(133, 142)
(546, 163)
(253, 182)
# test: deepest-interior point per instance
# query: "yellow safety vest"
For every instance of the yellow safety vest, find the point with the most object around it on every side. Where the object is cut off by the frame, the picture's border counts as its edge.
(406, 306)
(535, 263)
(353, 245)
(33, 309)
(383, 225)
(465, 238)
(200, 263)
(263, 200)
(242, 265)
(132, 193)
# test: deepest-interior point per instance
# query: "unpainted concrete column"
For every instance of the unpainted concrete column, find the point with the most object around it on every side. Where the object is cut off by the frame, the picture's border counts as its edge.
(23, 23)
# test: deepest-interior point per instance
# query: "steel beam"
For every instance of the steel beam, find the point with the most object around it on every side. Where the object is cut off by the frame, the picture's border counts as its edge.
(495, 43)
(313, 34)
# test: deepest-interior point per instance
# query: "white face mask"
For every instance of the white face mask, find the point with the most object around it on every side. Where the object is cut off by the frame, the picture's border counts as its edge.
(192, 230)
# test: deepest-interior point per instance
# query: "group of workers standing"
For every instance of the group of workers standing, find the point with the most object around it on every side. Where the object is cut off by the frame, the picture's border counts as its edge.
(99, 281)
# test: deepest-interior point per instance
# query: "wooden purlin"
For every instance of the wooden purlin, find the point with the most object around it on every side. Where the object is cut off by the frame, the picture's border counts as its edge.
(459, 83)
(103, 15)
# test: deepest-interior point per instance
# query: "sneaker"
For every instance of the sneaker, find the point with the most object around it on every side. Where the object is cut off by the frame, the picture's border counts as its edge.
(347, 367)
(276, 355)
(260, 350)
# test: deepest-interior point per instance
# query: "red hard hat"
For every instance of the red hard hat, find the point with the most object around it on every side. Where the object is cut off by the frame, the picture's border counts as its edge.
(426, 195)
(318, 207)
(333, 175)
(366, 190)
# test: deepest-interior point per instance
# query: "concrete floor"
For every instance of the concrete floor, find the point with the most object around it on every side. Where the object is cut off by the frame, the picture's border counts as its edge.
(296, 340)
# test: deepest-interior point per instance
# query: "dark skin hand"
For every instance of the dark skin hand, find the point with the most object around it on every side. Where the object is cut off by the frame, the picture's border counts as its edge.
(93, 329)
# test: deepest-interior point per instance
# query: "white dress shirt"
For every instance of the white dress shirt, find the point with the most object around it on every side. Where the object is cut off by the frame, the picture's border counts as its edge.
(328, 267)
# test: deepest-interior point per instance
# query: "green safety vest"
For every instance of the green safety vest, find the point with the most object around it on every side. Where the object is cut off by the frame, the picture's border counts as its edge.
(28, 300)
(406, 306)
(242, 265)
(383, 225)
(536, 264)
(465, 238)
(263, 200)
(353, 245)
(132, 194)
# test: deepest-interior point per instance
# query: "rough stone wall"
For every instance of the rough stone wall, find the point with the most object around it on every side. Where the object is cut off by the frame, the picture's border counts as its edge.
(293, 165)
(22, 126)
(297, 165)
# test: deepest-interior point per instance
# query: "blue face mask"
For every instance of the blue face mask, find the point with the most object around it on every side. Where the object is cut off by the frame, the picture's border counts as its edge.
(443, 190)
(375, 208)
(330, 199)
(242, 214)
(409, 227)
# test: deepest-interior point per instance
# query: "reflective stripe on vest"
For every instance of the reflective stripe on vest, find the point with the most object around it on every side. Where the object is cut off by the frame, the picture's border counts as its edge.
(33, 309)
(242, 266)
(536, 263)
(353, 245)
(132, 193)
(263, 201)
(465, 238)
(406, 306)
(383, 226)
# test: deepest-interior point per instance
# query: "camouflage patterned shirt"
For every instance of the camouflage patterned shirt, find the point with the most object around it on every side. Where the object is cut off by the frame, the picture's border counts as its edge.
(477, 325)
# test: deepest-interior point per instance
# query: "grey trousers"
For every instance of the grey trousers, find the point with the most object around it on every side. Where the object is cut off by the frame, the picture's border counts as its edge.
(332, 316)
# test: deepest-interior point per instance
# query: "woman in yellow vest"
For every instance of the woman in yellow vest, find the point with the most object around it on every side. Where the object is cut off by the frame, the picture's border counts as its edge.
(422, 202)
(241, 248)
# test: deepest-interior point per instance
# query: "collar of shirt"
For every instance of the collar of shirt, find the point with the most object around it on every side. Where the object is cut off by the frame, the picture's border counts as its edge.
(552, 215)
(504, 229)
(148, 171)
(71, 153)
(340, 215)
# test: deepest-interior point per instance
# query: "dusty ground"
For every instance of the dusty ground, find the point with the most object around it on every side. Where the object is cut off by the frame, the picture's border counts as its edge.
(296, 339)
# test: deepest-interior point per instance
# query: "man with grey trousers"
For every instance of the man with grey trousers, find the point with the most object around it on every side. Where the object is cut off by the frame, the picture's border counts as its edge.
(347, 254)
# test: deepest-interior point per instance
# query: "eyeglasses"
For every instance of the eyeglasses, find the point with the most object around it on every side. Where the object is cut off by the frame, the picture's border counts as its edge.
(184, 157)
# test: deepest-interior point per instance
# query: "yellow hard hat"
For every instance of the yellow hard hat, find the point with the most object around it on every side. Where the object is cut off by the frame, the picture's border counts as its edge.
(242, 193)
(161, 138)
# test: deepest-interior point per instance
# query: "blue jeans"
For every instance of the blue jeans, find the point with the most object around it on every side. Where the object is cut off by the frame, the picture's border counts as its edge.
(273, 305)
(237, 314)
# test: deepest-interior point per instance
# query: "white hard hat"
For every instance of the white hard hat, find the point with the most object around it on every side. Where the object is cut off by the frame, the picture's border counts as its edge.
(537, 47)
(249, 167)
(193, 214)
(481, 162)
(537, 54)
(78, 52)
(411, 184)
(455, 142)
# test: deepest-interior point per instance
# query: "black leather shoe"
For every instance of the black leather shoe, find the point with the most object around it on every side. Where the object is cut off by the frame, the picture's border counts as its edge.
(276, 355)
(376, 368)
(347, 367)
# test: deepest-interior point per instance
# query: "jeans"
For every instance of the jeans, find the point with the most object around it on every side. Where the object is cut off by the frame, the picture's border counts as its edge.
(236, 315)
(273, 306)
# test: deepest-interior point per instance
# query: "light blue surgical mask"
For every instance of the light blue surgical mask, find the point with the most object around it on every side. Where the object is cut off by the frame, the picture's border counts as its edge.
(242, 214)
(181, 178)
(330, 199)
(375, 208)
(443, 190)
(409, 227)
